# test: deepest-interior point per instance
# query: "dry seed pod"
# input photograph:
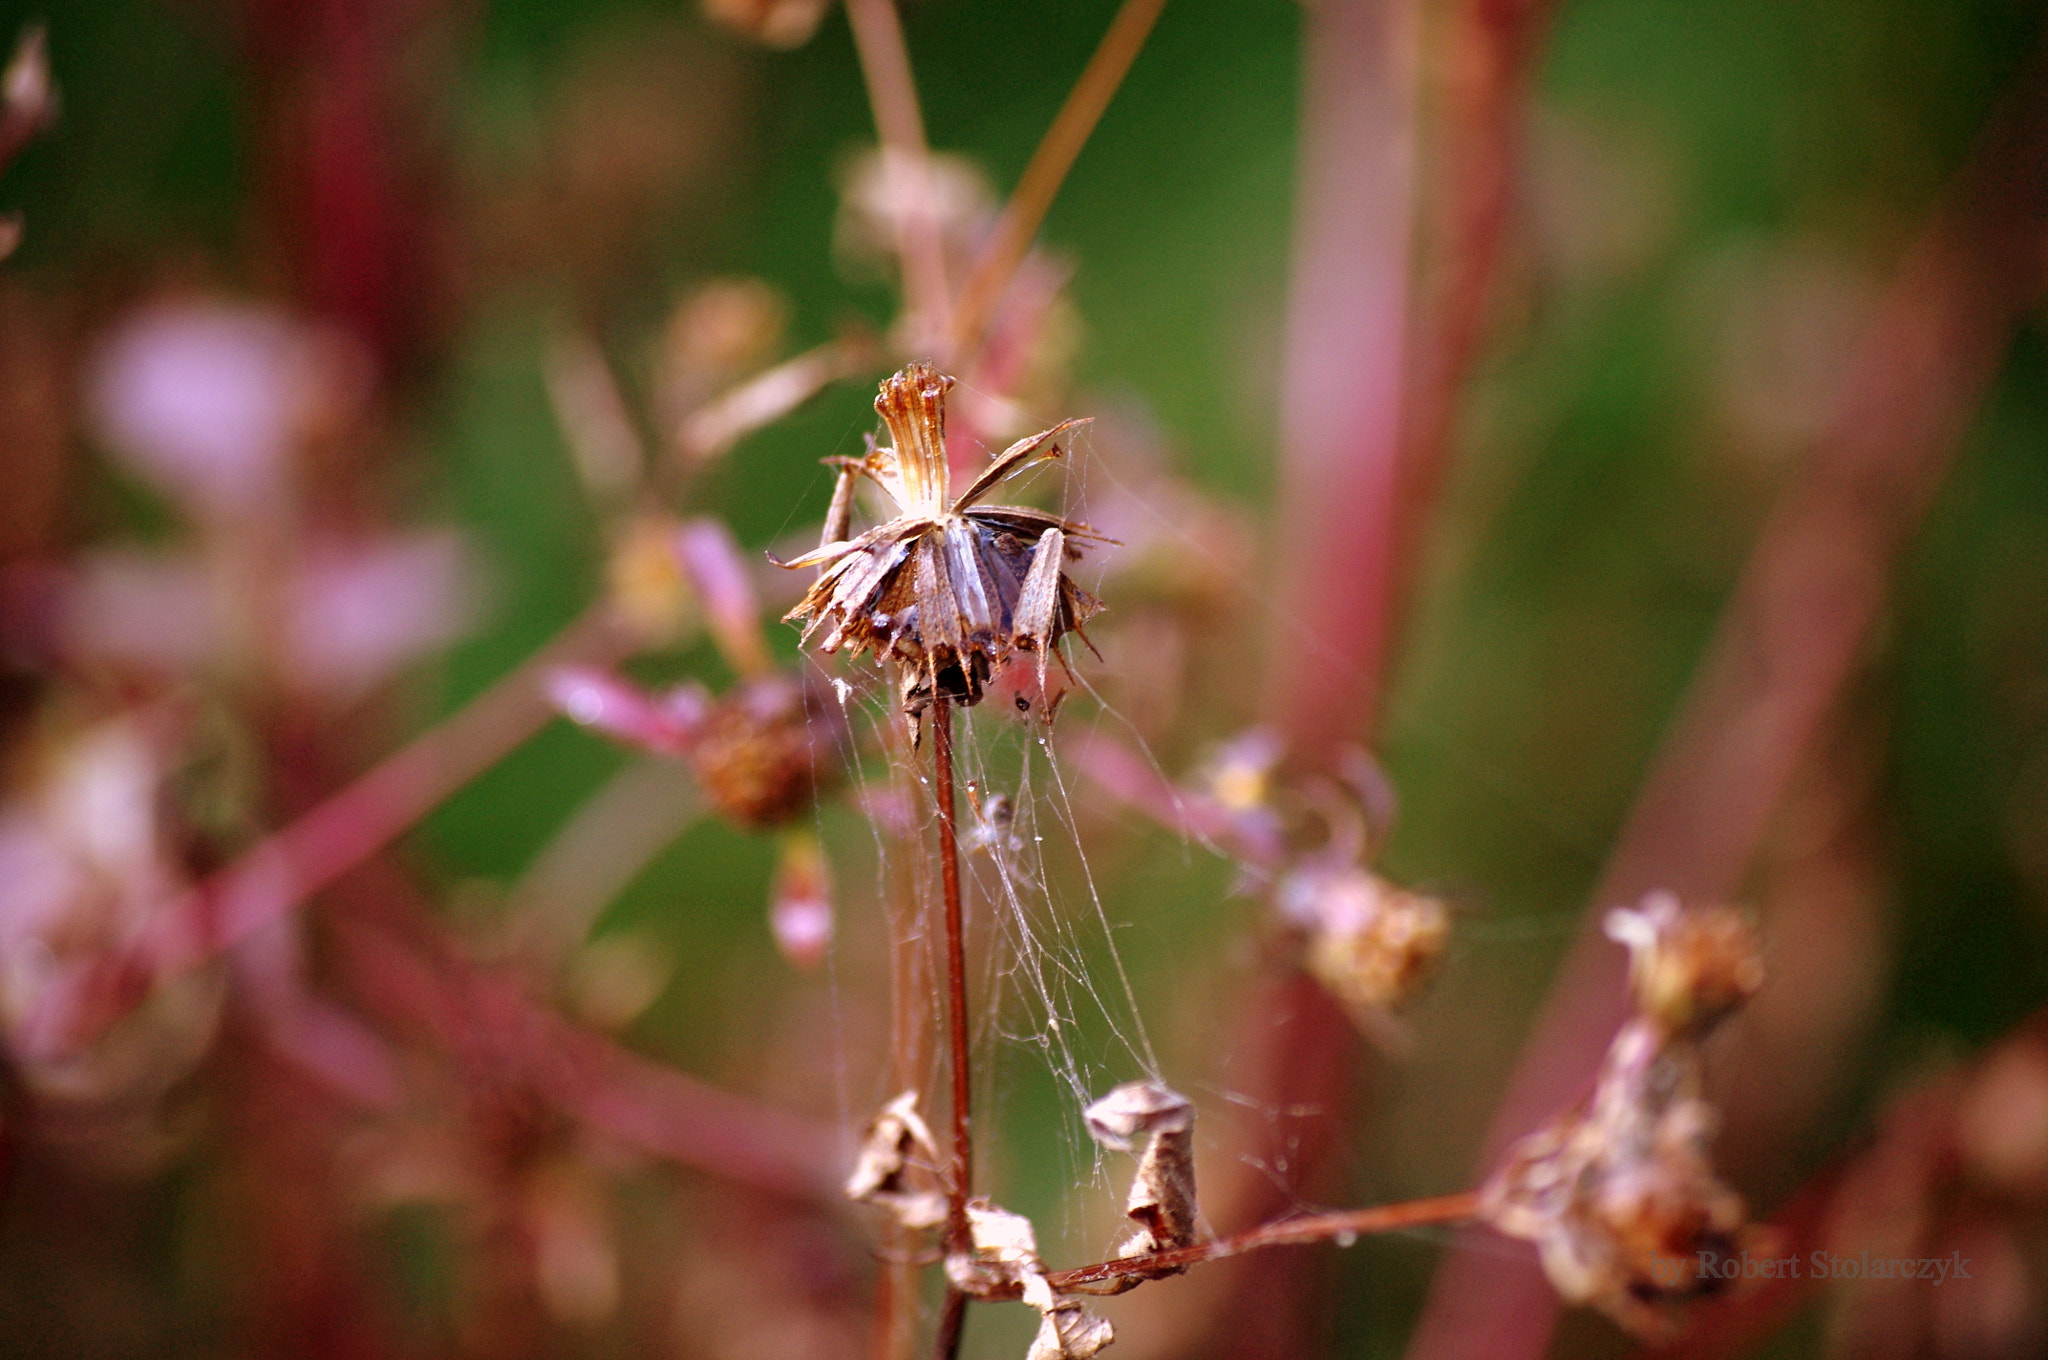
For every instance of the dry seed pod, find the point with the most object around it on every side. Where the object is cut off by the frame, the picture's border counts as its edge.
(1688, 968)
(895, 1168)
(950, 590)
(1369, 942)
(1162, 1199)
(1621, 1199)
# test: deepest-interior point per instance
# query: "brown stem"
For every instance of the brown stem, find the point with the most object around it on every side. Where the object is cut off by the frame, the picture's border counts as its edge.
(957, 1235)
(1414, 1213)
(956, 973)
(1055, 156)
(952, 1322)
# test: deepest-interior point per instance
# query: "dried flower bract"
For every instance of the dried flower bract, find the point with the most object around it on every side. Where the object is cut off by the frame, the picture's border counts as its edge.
(951, 589)
(1162, 1200)
(1003, 1258)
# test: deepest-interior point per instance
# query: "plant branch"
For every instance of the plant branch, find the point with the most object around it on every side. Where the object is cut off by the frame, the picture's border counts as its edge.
(906, 163)
(278, 874)
(1785, 648)
(1334, 1227)
(960, 1182)
(1047, 170)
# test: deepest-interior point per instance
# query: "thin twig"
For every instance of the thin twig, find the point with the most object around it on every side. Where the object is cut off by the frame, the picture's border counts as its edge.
(1414, 1213)
(1041, 180)
(906, 160)
(274, 877)
(960, 1182)
(952, 1323)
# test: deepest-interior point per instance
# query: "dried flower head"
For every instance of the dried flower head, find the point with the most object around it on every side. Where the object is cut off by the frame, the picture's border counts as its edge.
(1162, 1200)
(950, 590)
(1620, 1196)
(897, 1167)
(1687, 968)
(1369, 942)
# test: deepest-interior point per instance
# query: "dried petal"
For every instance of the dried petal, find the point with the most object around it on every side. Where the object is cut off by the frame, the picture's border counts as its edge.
(773, 23)
(1162, 1199)
(896, 1167)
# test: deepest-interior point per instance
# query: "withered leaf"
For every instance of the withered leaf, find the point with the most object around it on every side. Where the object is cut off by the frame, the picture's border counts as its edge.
(1162, 1200)
(896, 1167)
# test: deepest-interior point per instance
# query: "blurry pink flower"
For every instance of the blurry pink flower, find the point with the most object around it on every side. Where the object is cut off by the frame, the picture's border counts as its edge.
(206, 400)
(665, 723)
(360, 612)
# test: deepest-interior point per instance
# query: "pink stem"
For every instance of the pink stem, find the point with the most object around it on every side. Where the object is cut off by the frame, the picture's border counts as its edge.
(1786, 646)
(280, 873)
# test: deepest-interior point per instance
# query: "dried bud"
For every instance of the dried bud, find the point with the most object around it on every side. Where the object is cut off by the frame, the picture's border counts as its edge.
(1370, 943)
(896, 1169)
(1620, 1198)
(763, 750)
(1687, 968)
(1162, 1200)
(800, 905)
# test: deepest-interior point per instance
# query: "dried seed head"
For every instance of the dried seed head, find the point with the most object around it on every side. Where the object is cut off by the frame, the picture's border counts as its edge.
(950, 590)
(1162, 1200)
(1688, 968)
(896, 1168)
(1369, 942)
(1620, 1196)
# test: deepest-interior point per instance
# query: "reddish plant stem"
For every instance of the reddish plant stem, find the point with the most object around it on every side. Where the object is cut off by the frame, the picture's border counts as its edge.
(1041, 180)
(1786, 647)
(952, 1324)
(958, 1237)
(1341, 386)
(277, 875)
(892, 93)
(956, 970)
(1414, 1213)
(405, 970)
(1490, 56)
